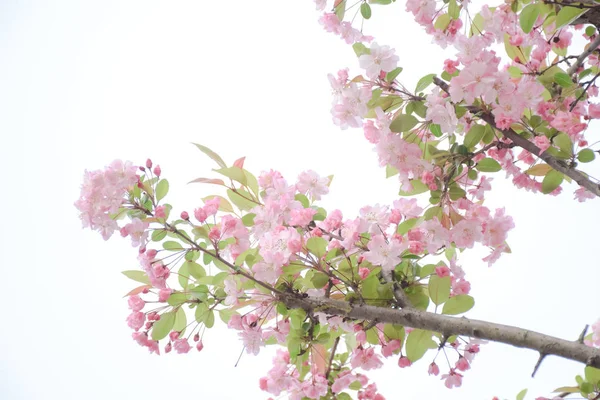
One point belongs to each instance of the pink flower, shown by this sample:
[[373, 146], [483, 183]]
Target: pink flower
[[542, 142], [388, 349], [380, 58], [433, 369], [582, 194], [594, 110], [311, 183], [302, 216], [342, 381], [462, 364], [450, 66], [181, 346], [163, 294], [136, 320], [136, 230], [365, 359], [466, 233], [453, 379], [102, 193], [387, 255], [212, 206], [442, 271], [316, 387], [136, 303]]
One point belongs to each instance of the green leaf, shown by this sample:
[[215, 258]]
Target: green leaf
[[196, 270], [436, 130], [424, 82], [442, 22], [528, 16], [439, 289], [433, 212], [317, 246], [393, 74], [551, 181], [138, 276], [158, 235], [586, 155], [340, 9], [417, 344], [392, 332], [172, 245], [567, 389], [214, 156], [521, 394], [406, 226], [592, 375], [319, 280], [201, 312], [162, 188], [418, 188], [458, 304], [248, 219], [365, 10], [515, 72], [566, 15], [235, 173], [403, 123], [474, 136], [564, 143], [163, 326], [241, 199], [539, 170], [563, 79], [488, 165], [209, 321], [180, 321], [456, 192], [360, 49], [453, 9]]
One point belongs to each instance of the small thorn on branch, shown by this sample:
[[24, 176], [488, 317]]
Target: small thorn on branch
[[538, 363], [582, 334]]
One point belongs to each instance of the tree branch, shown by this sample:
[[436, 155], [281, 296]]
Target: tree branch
[[520, 141], [579, 62], [449, 326], [399, 294]]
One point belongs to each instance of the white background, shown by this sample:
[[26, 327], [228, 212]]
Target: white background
[[83, 83]]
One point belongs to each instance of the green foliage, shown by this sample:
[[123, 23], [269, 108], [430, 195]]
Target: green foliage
[[439, 289], [138, 276], [417, 344], [458, 304], [551, 181], [163, 326]]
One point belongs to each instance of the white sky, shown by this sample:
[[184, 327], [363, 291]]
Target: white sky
[[83, 83]]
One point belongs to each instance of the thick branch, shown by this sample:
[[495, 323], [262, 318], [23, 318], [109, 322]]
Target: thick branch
[[520, 141], [449, 326]]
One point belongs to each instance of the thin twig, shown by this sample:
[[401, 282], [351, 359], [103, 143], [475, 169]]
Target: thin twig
[[580, 60]]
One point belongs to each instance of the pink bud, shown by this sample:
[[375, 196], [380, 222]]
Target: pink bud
[[157, 170], [168, 347], [185, 215], [196, 337], [200, 346], [200, 214], [174, 335], [404, 362], [159, 212], [148, 163]]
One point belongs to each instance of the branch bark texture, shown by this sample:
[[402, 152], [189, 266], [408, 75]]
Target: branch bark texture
[[448, 326], [520, 141]]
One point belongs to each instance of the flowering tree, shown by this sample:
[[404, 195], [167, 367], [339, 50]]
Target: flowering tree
[[340, 294]]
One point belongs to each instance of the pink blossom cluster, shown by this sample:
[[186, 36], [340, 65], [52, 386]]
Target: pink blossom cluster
[[102, 194]]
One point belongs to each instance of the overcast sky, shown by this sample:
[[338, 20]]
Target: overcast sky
[[83, 83]]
